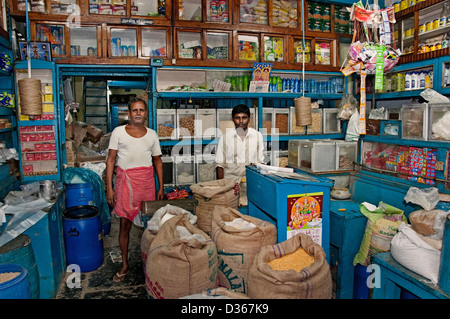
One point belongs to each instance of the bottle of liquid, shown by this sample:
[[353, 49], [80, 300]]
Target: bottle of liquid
[[279, 84], [408, 82], [421, 80], [414, 81], [427, 80]]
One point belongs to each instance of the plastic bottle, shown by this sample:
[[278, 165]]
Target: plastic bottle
[[295, 86], [422, 80], [427, 80], [446, 72], [414, 81], [408, 82], [279, 84], [394, 82]]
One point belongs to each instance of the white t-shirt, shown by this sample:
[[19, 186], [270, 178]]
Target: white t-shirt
[[134, 152]]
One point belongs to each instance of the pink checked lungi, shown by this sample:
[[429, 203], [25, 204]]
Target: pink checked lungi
[[133, 186]]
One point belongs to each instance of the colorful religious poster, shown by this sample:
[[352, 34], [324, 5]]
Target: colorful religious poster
[[304, 215]]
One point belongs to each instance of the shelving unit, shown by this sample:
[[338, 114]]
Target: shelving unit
[[95, 101]]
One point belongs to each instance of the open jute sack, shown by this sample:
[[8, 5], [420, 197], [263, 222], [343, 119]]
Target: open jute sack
[[182, 260], [159, 217], [208, 195], [236, 247], [312, 282]]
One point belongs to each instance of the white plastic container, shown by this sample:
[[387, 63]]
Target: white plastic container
[[439, 127], [317, 155], [205, 124], [184, 170], [346, 155], [166, 123]]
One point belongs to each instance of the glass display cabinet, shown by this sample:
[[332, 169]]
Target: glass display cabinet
[[254, 12], [83, 41], [217, 11], [274, 48], [285, 14], [248, 47], [155, 42], [148, 8], [54, 34], [218, 45], [189, 44], [123, 42], [189, 10]]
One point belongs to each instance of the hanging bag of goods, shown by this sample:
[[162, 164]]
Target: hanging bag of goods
[[238, 239], [373, 45], [293, 269], [208, 195], [155, 223], [182, 261]]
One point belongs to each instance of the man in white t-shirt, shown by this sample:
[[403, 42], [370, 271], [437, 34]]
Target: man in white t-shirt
[[237, 148], [135, 150]]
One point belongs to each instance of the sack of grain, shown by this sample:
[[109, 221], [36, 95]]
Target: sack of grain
[[312, 282], [182, 260], [238, 239], [217, 293], [208, 195], [154, 224], [381, 227]]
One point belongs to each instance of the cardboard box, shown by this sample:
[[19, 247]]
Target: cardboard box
[[94, 133]]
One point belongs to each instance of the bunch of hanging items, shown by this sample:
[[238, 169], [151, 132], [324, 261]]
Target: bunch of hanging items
[[373, 47]]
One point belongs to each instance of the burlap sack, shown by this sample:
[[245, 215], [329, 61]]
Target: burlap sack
[[236, 248], [313, 282], [179, 267], [208, 195]]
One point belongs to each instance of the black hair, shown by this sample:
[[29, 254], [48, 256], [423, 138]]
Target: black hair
[[240, 108], [135, 99]]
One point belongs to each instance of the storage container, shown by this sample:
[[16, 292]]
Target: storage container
[[295, 129], [224, 121], [317, 156], [166, 123], [205, 125], [294, 153], [267, 120], [281, 118], [17, 286], [391, 128], [393, 113], [279, 158], [439, 128], [415, 121], [316, 125], [373, 127], [184, 170], [186, 123], [331, 123], [205, 168], [168, 170], [346, 155]]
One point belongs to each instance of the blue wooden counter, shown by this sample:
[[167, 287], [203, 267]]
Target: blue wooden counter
[[273, 198], [393, 277]]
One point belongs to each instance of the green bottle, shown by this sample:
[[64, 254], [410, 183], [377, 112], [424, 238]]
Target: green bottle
[[279, 84]]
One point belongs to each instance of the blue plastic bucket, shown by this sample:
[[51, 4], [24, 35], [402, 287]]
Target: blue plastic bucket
[[17, 287], [19, 251], [360, 287], [83, 237], [78, 194]]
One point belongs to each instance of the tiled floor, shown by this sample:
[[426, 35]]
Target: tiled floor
[[98, 284]]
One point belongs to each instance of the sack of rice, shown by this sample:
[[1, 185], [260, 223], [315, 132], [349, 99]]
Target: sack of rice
[[217, 293], [208, 195], [154, 224], [238, 239], [293, 269], [182, 260]]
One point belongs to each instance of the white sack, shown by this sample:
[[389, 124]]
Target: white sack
[[409, 250]]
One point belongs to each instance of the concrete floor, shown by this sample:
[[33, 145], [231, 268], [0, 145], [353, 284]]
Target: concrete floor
[[99, 284]]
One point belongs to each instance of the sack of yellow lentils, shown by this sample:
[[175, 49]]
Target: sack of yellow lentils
[[208, 195], [182, 260], [293, 269], [238, 239]]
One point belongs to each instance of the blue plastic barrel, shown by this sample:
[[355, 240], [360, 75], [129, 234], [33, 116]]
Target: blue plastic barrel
[[360, 288], [17, 287], [83, 237], [78, 194], [19, 251]]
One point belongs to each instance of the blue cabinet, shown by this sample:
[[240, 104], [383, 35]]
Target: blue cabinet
[[48, 247], [293, 205]]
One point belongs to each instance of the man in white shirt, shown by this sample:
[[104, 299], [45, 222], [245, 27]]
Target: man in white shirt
[[135, 150], [237, 148]]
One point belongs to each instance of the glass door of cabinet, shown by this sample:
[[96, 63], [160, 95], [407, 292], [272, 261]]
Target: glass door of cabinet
[[248, 47], [301, 51], [154, 43], [407, 36], [217, 11], [149, 8], [189, 44], [54, 34], [37, 6], [274, 48], [189, 10], [285, 14], [116, 7], [63, 7], [218, 45], [255, 11], [83, 41], [323, 52], [122, 42]]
